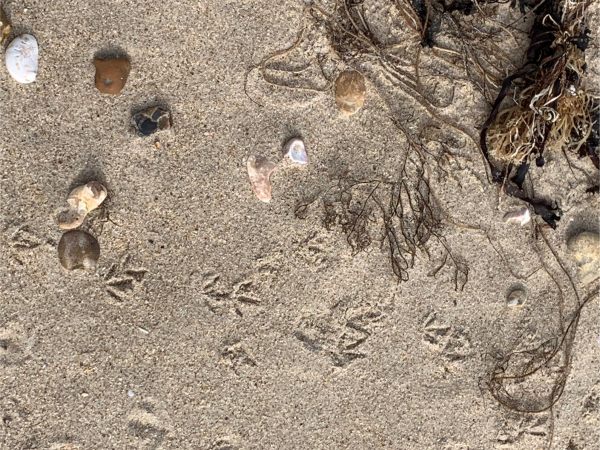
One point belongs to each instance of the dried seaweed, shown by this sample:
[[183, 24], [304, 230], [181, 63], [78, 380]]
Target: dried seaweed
[[519, 378], [545, 105], [532, 380], [401, 216]]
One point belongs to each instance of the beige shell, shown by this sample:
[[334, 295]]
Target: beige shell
[[584, 249], [78, 250], [5, 26], [350, 91], [259, 172], [81, 200]]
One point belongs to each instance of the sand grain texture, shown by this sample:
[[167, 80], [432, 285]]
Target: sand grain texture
[[217, 321]]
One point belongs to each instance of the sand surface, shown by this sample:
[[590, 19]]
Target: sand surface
[[215, 321]]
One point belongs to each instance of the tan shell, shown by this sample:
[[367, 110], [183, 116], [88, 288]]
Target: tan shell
[[5, 26], [585, 251], [259, 172], [78, 250], [81, 200], [350, 91]]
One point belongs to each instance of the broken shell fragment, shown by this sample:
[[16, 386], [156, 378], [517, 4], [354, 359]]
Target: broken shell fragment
[[516, 297], [259, 171], [584, 249], [111, 74], [78, 250], [521, 216], [82, 200], [295, 150], [22, 59], [152, 119], [350, 91], [5, 26]]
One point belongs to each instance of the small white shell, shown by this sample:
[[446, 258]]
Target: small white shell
[[295, 150], [516, 297], [521, 216], [22, 59]]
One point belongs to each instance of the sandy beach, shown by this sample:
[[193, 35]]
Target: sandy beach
[[216, 321]]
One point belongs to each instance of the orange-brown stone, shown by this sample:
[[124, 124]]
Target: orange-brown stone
[[111, 74]]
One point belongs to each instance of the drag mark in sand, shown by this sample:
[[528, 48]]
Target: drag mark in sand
[[149, 424]]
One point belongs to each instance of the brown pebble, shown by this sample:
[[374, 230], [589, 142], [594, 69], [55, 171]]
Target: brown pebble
[[350, 91], [78, 250], [111, 74]]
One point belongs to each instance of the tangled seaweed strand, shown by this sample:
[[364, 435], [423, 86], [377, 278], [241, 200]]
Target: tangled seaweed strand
[[549, 108], [401, 214], [551, 359], [520, 379]]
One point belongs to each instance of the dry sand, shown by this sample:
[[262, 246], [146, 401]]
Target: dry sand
[[216, 321]]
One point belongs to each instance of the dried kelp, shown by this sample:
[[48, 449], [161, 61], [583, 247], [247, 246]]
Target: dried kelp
[[533, 380], [401, 216], [544, 106]]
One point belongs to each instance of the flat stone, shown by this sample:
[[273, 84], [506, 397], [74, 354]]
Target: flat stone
[[584, 248], [111, 74]]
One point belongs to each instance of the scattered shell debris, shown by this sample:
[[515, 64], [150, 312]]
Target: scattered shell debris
[[78, 250], [82, 200], [584, 249], [350, 91], [516, 297], [295, 150], [22, 59], [151, 120], [521, 216], [111, 74], [5, 26], [259, 171]]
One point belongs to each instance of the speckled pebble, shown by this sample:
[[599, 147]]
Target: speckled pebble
[[151, 120]]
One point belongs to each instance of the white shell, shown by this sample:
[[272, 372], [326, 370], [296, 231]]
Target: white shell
[[296, 151], [516, 297], [520, 216], [82, 200], [22, 59]]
